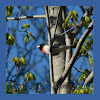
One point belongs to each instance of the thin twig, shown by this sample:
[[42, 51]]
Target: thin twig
[[77, 69], [68, 30], [18, 21]]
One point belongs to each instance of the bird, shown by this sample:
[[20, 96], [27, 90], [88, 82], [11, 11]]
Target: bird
[[45, 49]]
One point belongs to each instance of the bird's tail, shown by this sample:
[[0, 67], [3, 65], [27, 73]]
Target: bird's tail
[[61, 48]]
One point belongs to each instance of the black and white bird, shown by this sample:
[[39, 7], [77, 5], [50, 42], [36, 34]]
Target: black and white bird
[[45, 49]]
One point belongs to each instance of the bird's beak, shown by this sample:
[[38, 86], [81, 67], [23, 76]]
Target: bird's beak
[[38, 46]]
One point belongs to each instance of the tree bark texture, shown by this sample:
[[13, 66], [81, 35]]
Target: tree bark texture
[[59, 59]]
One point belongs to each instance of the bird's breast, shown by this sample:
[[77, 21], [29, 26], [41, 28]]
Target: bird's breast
[[46, 49]]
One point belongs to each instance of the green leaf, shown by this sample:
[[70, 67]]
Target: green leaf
[[73, 24], [71, 13], [21, 87], [90, 35], [85, 24], [36, 90], [23, 61], [26, 39], [90, 60], [68, 25], [7, 85], [27, 76], [26, 7], [75, 41], [75, 13], [64, 25], [25, 26], [9, 10], [17, 61], [87, 19], [10, 39], [80, 79], [32, 76], [13, 59], [67, 19], [35, 85], [75, 18], [34, 37], [29, 34]]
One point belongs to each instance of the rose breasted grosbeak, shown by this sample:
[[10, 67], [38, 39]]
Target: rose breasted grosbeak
[[44, 48], [55, 48]]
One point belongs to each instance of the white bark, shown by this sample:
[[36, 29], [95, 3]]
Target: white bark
[[89, 78], [59, 59]]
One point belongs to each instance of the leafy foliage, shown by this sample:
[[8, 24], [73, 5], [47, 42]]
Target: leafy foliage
[[84, 89], [10, 39], [9, 10], [86, 47], [29, 76], [26, 39], [38, 87], [26, 7], [11, 89], [19, 61], [73, 15], [84, 75], [85, 20], [25, 26]]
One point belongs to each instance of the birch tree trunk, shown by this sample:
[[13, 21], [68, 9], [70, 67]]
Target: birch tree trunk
[[59, 59], [66, 86]]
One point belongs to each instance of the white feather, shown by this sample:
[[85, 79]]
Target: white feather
[[46, 49]]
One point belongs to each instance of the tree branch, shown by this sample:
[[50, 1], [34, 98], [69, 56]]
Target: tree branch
[[80, 25], [77, 69], [74, 57], [50, 53], [26, 17], [83, 8], [89, 78]]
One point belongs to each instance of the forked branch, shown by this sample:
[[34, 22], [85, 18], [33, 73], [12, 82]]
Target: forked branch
[[74, 57]]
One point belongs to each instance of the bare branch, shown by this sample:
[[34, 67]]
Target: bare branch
[[89, 78], [74, 57], [83, 8], [77, 69], [26, 17]]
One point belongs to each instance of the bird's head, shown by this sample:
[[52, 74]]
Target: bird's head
[[40, 46]]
